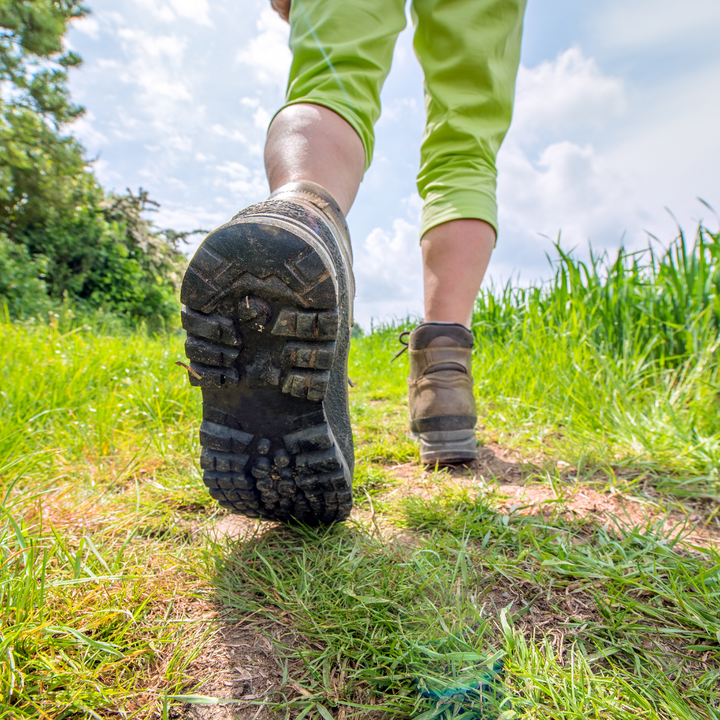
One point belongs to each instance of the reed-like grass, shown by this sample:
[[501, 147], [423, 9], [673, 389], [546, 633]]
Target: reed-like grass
[[611, 367], [657, 306], [609, 364]]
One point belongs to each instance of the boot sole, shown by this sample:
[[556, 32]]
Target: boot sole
[[265, 335], [447, 447]]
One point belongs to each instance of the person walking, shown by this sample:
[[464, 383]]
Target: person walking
[[267, 297]]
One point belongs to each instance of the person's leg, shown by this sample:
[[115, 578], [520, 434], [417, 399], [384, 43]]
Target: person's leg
[[267, 297], [455, 257], [469, 51], [310, 142], [342, 52]]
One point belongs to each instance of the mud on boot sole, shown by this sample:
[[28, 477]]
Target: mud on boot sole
[[265, 332]]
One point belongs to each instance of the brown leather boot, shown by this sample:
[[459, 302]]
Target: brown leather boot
[[442, 405]]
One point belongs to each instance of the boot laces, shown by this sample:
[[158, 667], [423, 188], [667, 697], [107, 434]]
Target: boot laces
[[405, 345]]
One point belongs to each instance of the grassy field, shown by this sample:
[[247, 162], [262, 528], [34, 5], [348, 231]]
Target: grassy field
[[573, 572]]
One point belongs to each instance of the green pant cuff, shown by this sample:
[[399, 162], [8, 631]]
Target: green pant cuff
[[459, 205]]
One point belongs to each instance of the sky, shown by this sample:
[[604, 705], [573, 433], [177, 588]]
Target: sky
[[614, 135]]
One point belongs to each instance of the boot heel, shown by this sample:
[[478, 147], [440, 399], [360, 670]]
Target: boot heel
[[448, 446]]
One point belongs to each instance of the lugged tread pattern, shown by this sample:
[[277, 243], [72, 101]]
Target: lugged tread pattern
[[307, 384], [222, 461], [262, 338], [212, 327], [207, 353], [307, 325], [301, 370], [318, 356], [222, 438], [305, 478], [208, 376]]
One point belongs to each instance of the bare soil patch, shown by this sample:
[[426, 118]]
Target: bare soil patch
[[240, 662], [514, 479]]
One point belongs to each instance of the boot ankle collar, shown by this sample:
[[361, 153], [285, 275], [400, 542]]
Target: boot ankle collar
[[430, 360], [318, 196], [425, 333]]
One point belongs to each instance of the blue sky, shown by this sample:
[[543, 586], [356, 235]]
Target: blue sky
[[616, 122]]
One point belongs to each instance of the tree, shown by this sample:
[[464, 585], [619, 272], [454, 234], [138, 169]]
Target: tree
[[89, 247], [37, 163]]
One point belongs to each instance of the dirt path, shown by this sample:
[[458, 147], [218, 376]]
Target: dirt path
[[240, 663]]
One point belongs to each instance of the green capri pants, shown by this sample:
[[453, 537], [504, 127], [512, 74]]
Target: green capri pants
[[469, 51]]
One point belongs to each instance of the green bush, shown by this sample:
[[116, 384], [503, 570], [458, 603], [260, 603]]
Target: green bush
[[22, 286], [65, 240]]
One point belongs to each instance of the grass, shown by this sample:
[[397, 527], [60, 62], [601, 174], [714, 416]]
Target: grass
[[446, 596], [99, 492], [611, 362], [460, 602]]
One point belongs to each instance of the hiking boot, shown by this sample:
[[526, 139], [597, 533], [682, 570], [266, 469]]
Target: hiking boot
[[442, 404], [267, 306]]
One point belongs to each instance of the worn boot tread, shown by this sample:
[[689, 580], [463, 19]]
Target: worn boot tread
[[264, 319]]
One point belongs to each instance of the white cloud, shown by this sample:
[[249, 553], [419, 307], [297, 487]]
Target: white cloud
[[182, 143], [108, 64], [87, 26], [107, 176], [234, 135], [158, 9], [195, 10], [268, 53], [253, 149], [552, 186], [383, 254], [262, 118], [570, 190], [563, 94], [388, 269], [85, 131], [604, 192], [398, 109], [234, 170], [247, 185], [644, 24], [188, 217], [155, 65]]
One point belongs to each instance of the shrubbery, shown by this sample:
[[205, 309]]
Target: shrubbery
[[63, 239]]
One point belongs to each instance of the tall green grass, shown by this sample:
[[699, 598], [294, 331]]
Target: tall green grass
[[612, 364], [656, 306], [97, 489]]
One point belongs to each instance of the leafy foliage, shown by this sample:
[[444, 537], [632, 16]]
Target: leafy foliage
[[37, 164], [21, 279], [73, 240]]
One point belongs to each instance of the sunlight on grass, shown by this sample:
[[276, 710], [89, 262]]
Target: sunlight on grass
[[393, 619], [112, 577]]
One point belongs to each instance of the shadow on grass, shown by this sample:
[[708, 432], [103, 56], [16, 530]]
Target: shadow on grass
[[624, 620]]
